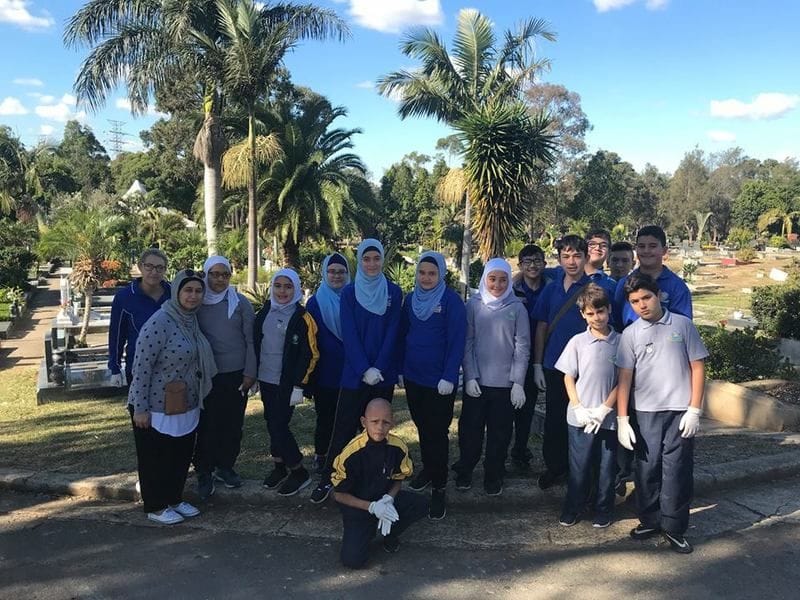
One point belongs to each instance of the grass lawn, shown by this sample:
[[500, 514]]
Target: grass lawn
[[92, 435], [714, 306]]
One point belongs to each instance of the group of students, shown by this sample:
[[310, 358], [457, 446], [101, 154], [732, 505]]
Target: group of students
[[542, 329]]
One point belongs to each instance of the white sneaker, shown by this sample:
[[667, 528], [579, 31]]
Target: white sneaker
[[165, 517], [138, 487], [185, 509]]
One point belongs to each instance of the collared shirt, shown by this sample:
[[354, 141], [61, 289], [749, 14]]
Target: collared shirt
[[590, 360], [673, 293], [659, 354], [368, 469]]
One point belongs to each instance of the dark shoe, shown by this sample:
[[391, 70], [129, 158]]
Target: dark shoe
[[321, 493], [641, 532], [601, 521], [547, 480], [678, 543], [463, 482], [438, 508], [205, 486], [296, 481], [391, 544], [568, 520], [229, 477], [420, 482], [493, 488], [318, 463], [276, 477]]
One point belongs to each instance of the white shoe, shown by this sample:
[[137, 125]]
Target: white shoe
[[185, 509], [138, 487], [165, 517]]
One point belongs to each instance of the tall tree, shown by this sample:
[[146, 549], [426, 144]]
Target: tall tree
[[687, 193], [605, 189], [86, 157], [12, 170]]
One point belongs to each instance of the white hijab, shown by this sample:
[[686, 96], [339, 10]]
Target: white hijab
[[492, 303], [211, 297]]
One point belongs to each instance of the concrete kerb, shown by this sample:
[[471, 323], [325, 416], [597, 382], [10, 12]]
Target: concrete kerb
[[522, 493]]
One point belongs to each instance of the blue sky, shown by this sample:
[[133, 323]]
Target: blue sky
[[656, 77]]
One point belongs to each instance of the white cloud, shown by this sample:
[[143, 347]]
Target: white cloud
[[69, 99], [396, 15], [125, 104], [607, 5], [366, 85], [764, 106], [12, 106], [31, 81], [46, 129], [718, 135], [60, 112], [44, 99], [656, 4], [16, 12]]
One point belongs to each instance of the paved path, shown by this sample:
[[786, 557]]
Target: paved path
[[25, 346]]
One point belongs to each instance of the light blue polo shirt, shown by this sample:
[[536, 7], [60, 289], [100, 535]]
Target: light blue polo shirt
[[673, 293], [659, 354], [591, 361]]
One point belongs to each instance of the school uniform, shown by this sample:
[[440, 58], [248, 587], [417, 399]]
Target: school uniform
[[673, 293], [368, 470], [659, 354], [432, 350], [591, 361]]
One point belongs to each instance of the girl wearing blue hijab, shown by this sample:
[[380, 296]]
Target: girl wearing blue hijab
[[324, 307], [370, 322], [433, 330]]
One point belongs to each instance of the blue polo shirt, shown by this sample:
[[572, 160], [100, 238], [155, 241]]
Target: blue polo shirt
[[529, 298], [674, 295], [571, 323]]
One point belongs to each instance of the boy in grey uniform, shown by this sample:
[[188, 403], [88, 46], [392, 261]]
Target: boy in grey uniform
[[665, 353]]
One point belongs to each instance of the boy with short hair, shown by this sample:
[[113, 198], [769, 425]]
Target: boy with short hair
[[598, 242], [590, 378], [662, 351], [367, 478], [620, 260]]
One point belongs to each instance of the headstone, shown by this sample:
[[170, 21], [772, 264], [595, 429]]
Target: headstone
[[778, 275]]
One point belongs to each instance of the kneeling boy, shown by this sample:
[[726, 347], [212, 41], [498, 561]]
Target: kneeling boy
[[366, 481], [663, 354]]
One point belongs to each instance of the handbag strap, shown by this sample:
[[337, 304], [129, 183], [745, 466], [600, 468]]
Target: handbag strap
[[569, 303]]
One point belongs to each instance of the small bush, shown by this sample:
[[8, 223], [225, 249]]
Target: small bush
[[777, 308], [746, 255], [475, 272], [778, 241], [740, 238], [513, 247], [742, 355]]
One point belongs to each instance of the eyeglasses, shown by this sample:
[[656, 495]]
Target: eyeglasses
[[151, 267], [597, 245], [531, 261], [219, 275], [193, 273]]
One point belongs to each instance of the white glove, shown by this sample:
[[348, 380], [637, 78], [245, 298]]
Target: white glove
[[385, 525], [598, 415], [625, 433], [445, 387], [538, 377], [401, 383], [297, 396], [583, 415], [472, 388], [690, 422], [517, 396], [118, 379], [384, 509], [372, 376]]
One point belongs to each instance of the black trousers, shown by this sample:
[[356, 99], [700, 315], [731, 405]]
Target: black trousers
[[555, 449], [523, 418], [492, 413], [663, 471], [219, 435], [278, 415], [432, 413], [347, 421], [325, 400], [359, 526], [163, 464]]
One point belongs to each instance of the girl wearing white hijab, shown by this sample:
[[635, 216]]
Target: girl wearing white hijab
[[495, 363], [285, 338], [226, 318], [370, 321]]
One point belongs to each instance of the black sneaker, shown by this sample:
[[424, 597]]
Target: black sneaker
[[276, 477], [601, 521], [420, 482], [493, 488], [296, 481], [229, 477], [568, 520], [642, 532], [391, 544], [321, 493], [438, 508], [205, 486], [463, 482], [678, 543]]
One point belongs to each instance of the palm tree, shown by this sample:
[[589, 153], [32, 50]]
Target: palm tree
[[479, 86], [779, 215]]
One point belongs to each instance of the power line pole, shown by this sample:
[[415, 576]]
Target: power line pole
[[118, 136]]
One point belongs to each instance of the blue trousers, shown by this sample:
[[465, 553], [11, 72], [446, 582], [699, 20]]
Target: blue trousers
[[490, 413], [523, 419], [589, 453], [359, 526], [663, 471], [278, 415]]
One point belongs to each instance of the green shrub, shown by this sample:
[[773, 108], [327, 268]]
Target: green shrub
[[742, 355], [740, 238], [402, 274], [10, 294], [746, 255], [778, 241], [777, 308], [475, 272], [513, 247]]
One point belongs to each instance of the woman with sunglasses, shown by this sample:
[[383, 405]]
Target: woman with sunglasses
[[324, 306], [172, 373], [226, 318], [132, 306]]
